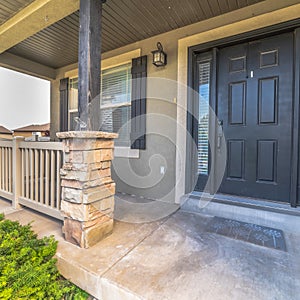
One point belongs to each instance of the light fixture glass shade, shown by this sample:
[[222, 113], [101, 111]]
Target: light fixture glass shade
[[159, 56]]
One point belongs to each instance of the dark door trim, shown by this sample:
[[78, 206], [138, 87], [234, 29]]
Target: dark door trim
[[244, 37], [191, 122], [295, 188], [190, 178]]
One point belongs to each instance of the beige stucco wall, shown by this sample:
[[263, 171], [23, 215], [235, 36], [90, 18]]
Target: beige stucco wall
[[161, 139], [166, 102]]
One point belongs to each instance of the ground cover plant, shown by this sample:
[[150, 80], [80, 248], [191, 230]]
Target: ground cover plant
[[27, 266]]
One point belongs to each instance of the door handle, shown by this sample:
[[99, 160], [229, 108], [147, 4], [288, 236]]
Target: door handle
[[219, 134]]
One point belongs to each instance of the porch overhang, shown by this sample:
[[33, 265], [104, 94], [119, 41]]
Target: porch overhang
[[34, 18], [46, 32]]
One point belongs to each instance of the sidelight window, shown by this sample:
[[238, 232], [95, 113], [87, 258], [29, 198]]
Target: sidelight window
[[203, 118]]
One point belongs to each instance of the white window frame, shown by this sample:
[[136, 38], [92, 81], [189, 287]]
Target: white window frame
[[107, 63]]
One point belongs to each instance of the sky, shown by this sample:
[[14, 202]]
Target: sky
[[24, 99]]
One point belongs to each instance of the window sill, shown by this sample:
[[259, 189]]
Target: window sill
[[126, 152]]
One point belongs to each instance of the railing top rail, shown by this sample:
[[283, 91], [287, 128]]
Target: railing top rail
[[41, 145], [7, 144]]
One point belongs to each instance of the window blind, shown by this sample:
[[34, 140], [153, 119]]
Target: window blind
[[116, 102], [116, 87], [203, 122]]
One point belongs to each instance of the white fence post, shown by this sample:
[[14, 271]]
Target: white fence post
[[16, 171]]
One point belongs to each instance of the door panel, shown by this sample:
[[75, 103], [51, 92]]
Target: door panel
[[266, 161], [237, 101], [267, 100], [236, 159], [255, 93]]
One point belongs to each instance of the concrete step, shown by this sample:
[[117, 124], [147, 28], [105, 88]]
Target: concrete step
[[257, 211]]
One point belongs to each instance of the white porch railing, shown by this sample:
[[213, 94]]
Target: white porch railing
[[30, 175], [6, 167]]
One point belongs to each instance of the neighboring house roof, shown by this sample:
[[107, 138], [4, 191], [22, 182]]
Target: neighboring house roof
[[4, 130], [33, 128]]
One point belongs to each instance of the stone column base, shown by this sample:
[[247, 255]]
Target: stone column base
[[87, 188], [85, 234]]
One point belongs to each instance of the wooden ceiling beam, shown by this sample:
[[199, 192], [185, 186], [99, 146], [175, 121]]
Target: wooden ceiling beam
[[34, 18]]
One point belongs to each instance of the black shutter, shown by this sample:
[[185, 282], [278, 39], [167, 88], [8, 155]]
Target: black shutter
[[64, 103], [138, 103]]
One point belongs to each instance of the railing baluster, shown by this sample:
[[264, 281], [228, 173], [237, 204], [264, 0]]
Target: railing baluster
[[10, 170], [31, 175], [42, 162], [58, 166], [1, 167], [36, 175], [52, 177], [47, 178], [27, 172], [6, 169], [23, 179]]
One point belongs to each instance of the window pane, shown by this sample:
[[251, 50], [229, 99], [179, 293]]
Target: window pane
[[204, 89], [73, 95], [117, 120], [115, 102], [116, 86]]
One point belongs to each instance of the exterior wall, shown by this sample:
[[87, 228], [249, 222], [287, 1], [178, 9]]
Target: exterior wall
[[22, 133], [6, 136], [166, 101], [25, 133], [161, 126]]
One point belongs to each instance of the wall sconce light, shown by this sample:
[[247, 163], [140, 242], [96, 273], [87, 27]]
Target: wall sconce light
[[159, 56]]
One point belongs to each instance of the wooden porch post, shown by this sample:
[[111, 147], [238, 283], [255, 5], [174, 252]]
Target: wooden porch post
[[89, 61], [87, 187]]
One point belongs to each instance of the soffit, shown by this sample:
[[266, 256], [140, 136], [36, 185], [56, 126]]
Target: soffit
[[8, 8], [124, 22]]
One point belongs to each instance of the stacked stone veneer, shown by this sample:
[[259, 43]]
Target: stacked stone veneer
[[87, 187]]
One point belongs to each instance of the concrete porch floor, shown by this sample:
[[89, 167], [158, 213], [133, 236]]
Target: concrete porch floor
[[174, 258]]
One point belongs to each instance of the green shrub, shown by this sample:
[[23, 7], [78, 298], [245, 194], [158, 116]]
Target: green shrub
[[27, 266]]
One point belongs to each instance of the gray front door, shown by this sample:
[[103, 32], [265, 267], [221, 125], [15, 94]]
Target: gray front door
[[255, 104]]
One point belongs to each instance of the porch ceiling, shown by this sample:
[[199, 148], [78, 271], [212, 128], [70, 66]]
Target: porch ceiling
[[9, 8], [124, 22]]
